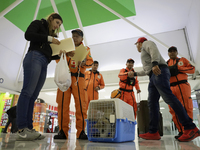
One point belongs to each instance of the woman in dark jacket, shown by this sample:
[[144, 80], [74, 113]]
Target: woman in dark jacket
[[40, 33]]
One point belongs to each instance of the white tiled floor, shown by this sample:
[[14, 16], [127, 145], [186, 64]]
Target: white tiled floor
[[167, 142]]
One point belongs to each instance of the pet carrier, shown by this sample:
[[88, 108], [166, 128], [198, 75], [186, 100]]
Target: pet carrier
[[110, 120]]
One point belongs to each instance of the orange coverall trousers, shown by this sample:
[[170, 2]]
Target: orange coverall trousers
[[129, 97], [183, 93], [80, 98]]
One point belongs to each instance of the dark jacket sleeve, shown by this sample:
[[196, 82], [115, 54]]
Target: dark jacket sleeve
[[33, 32], [55, 57]]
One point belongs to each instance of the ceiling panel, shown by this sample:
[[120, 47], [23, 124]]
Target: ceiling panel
[[90, 12], [22, 14], [5, 4]]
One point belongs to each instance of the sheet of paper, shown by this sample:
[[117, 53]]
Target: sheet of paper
[[80, 54], [65, 44]]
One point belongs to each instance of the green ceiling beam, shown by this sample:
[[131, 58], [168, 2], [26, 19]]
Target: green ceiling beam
[[5, 3], [90, 12]]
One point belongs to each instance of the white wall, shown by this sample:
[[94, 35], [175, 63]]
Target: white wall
[[114, 54]]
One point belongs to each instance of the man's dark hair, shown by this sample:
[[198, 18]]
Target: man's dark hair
[[96, 62]]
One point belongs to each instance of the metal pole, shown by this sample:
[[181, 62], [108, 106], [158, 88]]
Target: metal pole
[[9, 8], [120, 16], [27, 43], [56, 10], [78, 19]]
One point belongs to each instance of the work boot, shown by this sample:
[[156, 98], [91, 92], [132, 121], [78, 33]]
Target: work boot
[[83, 136], [61, 135], [150, 136]]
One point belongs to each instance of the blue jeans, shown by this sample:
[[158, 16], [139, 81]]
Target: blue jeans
[[35, 70], [160, 86]]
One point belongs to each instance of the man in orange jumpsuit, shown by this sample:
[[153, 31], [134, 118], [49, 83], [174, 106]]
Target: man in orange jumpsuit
[[94, 82], [180, 87], [126, 84], [77, 88]]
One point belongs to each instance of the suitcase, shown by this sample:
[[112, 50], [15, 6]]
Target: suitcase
[[143, 118]]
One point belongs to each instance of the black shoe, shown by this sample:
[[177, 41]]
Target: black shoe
[[179, 135], [61, 135], [83, 136]]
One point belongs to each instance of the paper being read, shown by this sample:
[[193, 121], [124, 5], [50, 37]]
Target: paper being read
[[80, 54], [65, 44]]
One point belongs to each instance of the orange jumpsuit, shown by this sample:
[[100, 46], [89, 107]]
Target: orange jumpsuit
[[80, 98], [93, 80], [126, 87], [180, 87]]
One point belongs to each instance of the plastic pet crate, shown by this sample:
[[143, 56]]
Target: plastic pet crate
[[110, 120]]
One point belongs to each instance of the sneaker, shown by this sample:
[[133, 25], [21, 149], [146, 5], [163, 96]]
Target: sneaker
[[83, 136], [41, 137], [179, 135], [189, 135], [26, 135], [61, 135], [150, 136]]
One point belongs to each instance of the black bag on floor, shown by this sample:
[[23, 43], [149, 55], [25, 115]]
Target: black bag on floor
[[143, 118]]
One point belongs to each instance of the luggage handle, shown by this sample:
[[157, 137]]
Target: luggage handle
[[138, 97]]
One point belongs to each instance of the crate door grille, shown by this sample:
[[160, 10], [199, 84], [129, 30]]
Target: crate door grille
[[99, 120]]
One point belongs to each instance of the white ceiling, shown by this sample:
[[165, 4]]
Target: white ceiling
[[111, 43]]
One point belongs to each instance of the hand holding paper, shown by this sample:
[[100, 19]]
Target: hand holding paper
[[66, 44], [80, 54]]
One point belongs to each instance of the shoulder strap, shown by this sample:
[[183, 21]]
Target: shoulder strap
[[177, 60]]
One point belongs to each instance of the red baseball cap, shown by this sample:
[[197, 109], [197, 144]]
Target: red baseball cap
[[141, 40], [130, 60]]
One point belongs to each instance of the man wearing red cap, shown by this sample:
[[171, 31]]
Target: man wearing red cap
[[126, 84], [77, 88], [155, 66], [178, 68]]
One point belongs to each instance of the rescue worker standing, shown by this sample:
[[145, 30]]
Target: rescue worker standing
[[180, 87], [78, 91], [94, 82], [126, 84]]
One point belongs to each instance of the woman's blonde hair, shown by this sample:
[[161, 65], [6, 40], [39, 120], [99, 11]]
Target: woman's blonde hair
[[54, 33]]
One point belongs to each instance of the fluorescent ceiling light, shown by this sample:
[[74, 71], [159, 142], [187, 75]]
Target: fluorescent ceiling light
[[7, 94], [162, 107]]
